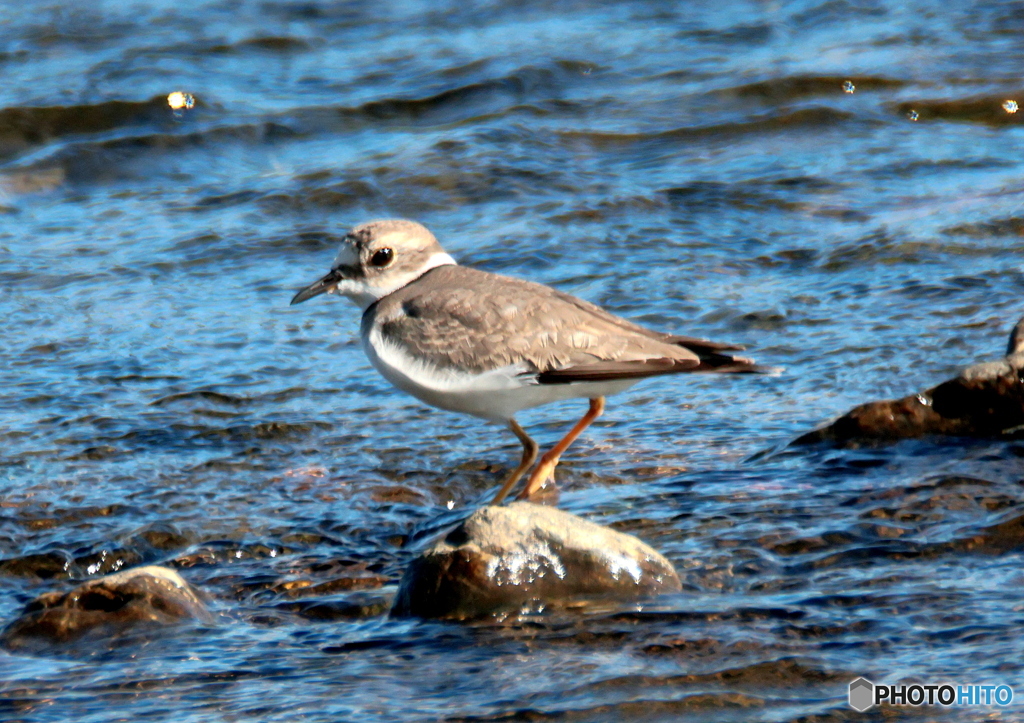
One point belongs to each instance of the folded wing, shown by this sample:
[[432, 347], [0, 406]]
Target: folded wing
[[462, 318]]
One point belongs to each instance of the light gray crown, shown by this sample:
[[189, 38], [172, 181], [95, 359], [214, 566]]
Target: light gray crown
[[411, 245], [378, 258]]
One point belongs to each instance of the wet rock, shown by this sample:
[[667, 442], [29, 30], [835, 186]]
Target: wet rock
[[41, 565], [985, 400], [502, 558], [105, 607]]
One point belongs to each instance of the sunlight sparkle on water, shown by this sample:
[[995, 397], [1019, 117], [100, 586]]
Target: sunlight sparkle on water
[[179, 100], [1010, 106], [848, 87]]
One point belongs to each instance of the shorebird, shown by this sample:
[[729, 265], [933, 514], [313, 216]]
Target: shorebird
[[475, 342]]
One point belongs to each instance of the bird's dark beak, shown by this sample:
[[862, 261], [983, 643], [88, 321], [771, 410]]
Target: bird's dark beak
[[327, 283]]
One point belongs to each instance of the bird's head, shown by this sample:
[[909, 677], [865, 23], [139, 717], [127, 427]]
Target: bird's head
[[377, 258]]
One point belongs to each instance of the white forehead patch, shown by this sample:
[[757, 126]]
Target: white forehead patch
[[347, 256]]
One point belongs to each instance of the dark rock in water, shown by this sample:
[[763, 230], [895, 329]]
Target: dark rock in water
[[986, 400], [106, 606], [1016, 343], [501, 558]]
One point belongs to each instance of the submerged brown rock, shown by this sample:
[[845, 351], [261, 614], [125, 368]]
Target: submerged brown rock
[[501, 558], [985, 400], [106, 606]]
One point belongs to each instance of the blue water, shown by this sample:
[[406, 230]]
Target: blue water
[[698, 168]]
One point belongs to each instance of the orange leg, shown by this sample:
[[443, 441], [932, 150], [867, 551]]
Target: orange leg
[[529, 457], [549, 460]]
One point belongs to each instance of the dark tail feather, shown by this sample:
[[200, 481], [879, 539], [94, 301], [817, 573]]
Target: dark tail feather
[[738, 367], [700, 346], [730, 364], [713, 360]]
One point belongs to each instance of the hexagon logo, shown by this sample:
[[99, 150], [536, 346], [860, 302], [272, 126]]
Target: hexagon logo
[[862, 694]]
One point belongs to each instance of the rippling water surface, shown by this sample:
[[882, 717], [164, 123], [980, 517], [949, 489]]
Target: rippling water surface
[[697, 167]]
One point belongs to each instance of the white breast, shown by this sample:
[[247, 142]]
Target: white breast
[[495, 395]]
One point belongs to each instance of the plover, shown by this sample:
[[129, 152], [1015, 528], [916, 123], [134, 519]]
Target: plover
[[479, 343]]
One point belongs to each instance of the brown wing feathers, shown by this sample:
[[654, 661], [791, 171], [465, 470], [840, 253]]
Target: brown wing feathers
[[457, 317], [604, 371], [709, 353]]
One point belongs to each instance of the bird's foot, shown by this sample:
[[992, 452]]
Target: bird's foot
[[541, 487], [547, 494]]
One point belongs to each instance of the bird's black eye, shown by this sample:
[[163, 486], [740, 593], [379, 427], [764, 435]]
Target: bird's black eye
[[382, 257]]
